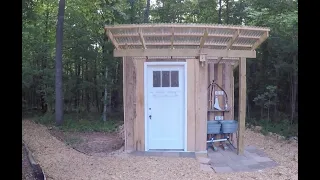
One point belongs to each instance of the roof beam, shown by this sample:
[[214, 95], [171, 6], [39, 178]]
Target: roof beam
[[142, 39], [185, 35], [183, 52], [115, 43], [203, 38], [183, 44], [262, 38]]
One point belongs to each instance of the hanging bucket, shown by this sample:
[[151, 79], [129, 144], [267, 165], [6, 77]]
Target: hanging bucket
[[229, 126], [213, 127]]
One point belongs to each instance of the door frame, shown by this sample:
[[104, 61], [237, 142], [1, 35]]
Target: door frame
[[148, 64]]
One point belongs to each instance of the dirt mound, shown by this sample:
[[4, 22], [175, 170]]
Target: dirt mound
[[93, 143]]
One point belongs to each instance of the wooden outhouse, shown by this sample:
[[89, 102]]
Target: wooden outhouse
[[167, 69]]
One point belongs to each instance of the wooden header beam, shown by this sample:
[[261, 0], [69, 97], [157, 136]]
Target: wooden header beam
[[184, 52]]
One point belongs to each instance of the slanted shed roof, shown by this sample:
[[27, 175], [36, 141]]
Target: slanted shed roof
[[185, 37]]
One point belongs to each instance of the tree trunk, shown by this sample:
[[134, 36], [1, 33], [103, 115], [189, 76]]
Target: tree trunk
[[275, 113], [219, 16], [132, 11], [96, 91], [43, 99], [58, 78], [227, 11], [87, 89], [78, 69], [146, 15], [294, 90], [105, 97]]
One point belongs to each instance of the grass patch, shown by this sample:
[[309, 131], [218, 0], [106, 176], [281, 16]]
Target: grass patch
[[73, 140], [81, 122], [283, 127]]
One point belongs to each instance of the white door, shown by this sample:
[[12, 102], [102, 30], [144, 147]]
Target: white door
[[165, 107]]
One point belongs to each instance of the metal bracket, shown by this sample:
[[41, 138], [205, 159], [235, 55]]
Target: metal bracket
[[202, 58]]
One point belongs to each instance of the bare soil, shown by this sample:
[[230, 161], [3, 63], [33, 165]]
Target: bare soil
[[27, 172], [60, 162], [90, 143]]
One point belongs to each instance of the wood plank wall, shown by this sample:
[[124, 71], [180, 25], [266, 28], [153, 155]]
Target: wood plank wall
[[198, 77], [222, 73]]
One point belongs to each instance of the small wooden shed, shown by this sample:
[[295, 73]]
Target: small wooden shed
[[167, 69]]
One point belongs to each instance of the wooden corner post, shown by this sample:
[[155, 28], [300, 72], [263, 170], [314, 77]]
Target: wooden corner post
[[242, 104]]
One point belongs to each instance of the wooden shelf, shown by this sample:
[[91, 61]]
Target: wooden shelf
[[215, 110]]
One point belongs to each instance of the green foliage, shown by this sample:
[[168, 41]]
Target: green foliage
[[81, 122], [282, 127], [266, 99], [271, 77]]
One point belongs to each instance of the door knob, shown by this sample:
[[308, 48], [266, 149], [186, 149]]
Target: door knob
[[150, 116]]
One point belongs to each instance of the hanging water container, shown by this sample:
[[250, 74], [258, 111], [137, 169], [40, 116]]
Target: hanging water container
[[229, 126], [213, 127]]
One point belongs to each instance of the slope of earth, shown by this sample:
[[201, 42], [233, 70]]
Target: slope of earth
[[90, 143], [27, 172]]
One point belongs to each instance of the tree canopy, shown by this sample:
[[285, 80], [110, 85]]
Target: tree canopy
[[92, 77]]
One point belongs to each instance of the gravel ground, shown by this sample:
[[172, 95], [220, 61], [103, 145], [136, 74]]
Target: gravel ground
[[60, 162]]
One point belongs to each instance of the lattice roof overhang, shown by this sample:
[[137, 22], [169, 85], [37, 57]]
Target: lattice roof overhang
[[186, 40]]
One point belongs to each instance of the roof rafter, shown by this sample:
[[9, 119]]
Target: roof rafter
[[260, 41], [115, 43], [203, 38], [142, 39], [172, 37], [232, 40]]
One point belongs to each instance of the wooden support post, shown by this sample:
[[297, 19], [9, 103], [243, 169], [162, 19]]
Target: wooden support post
[[129, 100], [219, 80], [210, 99], [227, 87], [210, 78], [242, 104], [191, 113], [139, 120], [201, 106], [234, 135]]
